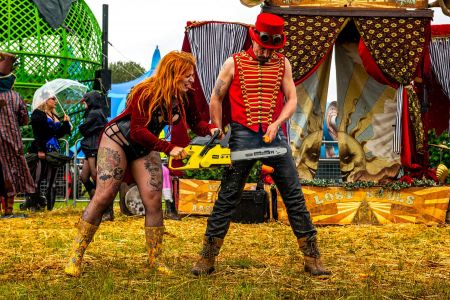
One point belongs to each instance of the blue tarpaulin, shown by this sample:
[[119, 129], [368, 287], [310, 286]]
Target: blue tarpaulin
[[119, 91]]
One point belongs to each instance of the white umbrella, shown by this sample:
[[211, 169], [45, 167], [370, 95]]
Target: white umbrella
[[67, 91]]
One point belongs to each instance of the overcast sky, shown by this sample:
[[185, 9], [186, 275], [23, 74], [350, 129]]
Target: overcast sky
[[137, 26]]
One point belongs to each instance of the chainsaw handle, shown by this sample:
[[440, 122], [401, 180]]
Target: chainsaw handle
[[170, 164], [187, 166], [208, 145]]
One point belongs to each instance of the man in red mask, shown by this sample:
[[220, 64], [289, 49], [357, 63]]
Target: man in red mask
[[262, 97]]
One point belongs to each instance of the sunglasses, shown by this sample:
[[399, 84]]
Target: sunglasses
[[274, 39]]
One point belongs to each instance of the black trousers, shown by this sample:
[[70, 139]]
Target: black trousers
[[40, 171], [285, 176]]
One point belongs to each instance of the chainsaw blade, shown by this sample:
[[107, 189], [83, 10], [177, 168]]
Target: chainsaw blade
[[257, 153]]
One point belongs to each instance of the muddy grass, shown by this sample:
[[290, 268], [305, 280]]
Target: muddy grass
[[256, 262]]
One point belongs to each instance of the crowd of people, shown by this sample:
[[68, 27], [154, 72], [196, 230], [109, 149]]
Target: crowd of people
[[129, 146]]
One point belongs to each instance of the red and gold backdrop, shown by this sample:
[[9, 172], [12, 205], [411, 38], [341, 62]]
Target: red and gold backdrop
[[386, 50], [390, 49]]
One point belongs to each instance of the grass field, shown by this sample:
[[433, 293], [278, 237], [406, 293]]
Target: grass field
[[256, 262]]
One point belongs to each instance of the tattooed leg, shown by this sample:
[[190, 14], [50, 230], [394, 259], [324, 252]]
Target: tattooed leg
[[152, 164], [147, 172], [111, 167]]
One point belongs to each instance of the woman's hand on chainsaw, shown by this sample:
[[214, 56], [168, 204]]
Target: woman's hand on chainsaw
[[220, 136], [178, 153]]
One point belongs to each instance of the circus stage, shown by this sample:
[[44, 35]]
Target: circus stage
[[336, 205]]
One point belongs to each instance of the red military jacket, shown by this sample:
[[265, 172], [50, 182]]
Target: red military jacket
[[255, 93]]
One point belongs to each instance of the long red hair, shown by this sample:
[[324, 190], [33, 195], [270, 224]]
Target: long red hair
[[163, 88]]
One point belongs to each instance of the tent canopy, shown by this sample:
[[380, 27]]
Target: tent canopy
[[119, 91]]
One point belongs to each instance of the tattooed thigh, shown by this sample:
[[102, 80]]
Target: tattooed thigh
[[152, 164], [109, 164]]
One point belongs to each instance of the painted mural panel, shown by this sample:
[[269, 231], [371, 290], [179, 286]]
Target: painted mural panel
[[367, 111], [335, 205]]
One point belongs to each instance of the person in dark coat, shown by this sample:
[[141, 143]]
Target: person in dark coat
[[15, 176], [47, 129], [93, 124]]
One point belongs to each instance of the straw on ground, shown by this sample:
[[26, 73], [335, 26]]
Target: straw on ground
[[256, 262]]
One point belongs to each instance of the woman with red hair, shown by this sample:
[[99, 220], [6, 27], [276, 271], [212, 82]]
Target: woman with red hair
[[130, 143]]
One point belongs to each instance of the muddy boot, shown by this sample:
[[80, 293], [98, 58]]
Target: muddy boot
[[31, 202], [2, 205], [206, 262], [9, 206], [108, 215], [85, 234], [41, 202], [170, 211], [50, 195], [313, 264], [154, 239]]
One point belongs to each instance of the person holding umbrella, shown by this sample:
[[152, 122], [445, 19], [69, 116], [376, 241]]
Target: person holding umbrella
[[47, 129], [130, 143]]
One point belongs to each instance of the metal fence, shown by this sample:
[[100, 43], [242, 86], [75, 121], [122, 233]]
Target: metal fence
[[62, 181], [329, 168], [68, 183]]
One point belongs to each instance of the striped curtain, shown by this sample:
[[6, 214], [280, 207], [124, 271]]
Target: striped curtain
[[211, 44], [440, 62], [397, 144]]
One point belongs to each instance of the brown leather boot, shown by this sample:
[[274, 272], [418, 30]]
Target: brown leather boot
[[313, 264], [171, 211], [9, 205], [85, 234], [154, 239], [206, 262]]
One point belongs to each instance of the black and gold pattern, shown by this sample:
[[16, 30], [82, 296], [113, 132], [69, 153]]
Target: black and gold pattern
[[415, 118], [396, 44], [309, 39]]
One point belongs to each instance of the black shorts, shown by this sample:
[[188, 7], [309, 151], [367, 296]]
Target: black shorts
[[119, 132]]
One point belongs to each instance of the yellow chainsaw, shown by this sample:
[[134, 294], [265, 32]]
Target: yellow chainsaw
[[215, 153], [201, 155]]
